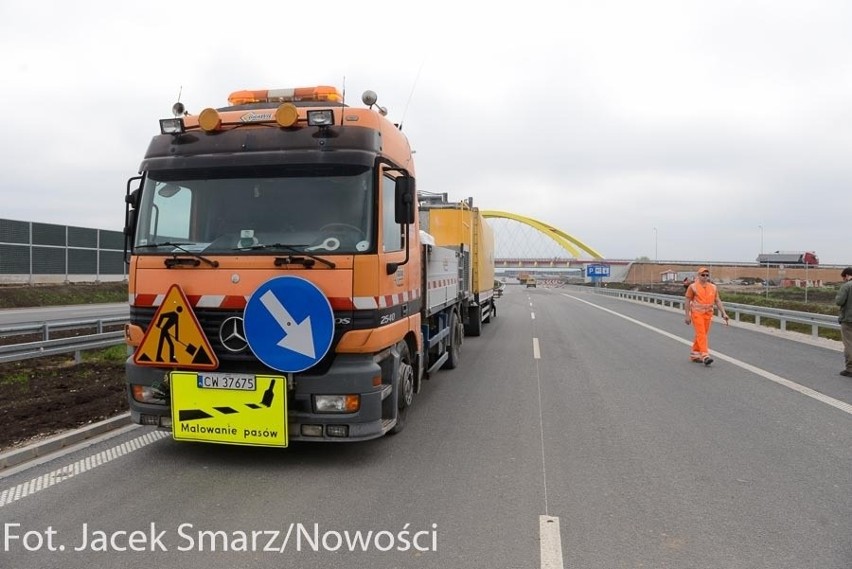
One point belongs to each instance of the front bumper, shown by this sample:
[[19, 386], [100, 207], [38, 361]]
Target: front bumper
[[369, 377]]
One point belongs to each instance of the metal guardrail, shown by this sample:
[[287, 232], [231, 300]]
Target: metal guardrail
[[46, 328], [814, 320], [48, 346], [76, 344]]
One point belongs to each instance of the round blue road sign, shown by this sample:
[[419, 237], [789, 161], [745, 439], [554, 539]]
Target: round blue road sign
[[289, 324]]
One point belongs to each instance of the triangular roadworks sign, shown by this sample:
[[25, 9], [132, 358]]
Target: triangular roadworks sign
[[174, 337]]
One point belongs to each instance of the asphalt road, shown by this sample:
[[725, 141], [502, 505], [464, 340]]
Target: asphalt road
[[574, 433]]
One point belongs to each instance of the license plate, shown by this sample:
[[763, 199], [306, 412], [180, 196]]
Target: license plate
[[229, 413], [236, 381]]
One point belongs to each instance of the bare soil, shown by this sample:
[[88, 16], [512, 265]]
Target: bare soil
[[45, 396]]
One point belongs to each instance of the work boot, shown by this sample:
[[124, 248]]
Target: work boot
[[708, 360], [846, 373]]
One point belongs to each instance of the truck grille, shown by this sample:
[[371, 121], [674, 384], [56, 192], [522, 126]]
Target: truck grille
[[211, 321]]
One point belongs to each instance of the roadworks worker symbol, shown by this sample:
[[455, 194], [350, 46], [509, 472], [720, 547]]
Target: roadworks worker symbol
[[174, 337], [254, 416]]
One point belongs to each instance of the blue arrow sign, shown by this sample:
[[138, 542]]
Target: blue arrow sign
[[289, 324]]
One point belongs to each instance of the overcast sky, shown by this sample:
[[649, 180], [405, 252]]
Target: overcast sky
[[670, 129]]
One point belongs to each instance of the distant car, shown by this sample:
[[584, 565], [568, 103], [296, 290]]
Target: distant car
[[531, 283]]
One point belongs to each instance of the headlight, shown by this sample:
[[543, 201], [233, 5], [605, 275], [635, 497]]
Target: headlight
[[337, 403], [148, 394]]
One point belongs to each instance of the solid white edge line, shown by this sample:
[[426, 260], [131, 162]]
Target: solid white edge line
[[806, 391], [551, 542]]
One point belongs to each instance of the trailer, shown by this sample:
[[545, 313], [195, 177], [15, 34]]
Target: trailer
[[789, 258]]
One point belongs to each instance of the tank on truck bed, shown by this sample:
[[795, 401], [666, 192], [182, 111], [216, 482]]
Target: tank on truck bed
[[461, 226]]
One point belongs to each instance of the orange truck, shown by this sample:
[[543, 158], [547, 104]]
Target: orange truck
[[281, 287]]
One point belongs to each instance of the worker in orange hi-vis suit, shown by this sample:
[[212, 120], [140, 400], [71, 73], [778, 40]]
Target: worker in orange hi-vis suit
[[701, 298]]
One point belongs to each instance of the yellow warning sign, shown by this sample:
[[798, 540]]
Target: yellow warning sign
[[236, 409], [174, 337]]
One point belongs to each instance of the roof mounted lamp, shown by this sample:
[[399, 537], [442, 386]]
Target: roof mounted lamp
[[321, 118], [173, 126]]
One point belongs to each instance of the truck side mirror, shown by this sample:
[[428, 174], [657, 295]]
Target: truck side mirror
[[132, 199], [130, 223], [404, 199]]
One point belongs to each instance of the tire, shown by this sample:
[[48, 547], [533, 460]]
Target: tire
[[455, 343], [404, 388]]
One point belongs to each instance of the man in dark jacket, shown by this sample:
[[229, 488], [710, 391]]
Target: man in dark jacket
[[844, 301]]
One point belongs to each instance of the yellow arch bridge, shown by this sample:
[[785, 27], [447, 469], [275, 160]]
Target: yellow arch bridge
[[568, 242]]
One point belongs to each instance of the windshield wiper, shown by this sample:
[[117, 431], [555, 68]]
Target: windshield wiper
[[306, 259], [174, 261]]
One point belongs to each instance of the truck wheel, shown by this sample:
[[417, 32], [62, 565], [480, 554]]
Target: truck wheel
[[474, 324], [404, 388], [455, 342]]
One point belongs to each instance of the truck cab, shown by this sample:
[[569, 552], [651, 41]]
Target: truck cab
[[237, 213]]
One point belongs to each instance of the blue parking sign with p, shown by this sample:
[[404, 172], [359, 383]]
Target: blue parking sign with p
[[597, 270]]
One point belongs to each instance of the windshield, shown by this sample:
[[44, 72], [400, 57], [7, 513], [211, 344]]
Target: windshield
[[322, 209]]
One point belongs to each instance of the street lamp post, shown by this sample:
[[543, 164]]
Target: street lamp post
[[656, 258], [766, 282]]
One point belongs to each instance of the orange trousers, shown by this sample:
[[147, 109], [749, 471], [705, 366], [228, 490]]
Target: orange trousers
[[701, 322]]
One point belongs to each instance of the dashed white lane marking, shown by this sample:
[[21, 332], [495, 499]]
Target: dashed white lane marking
[[551, 542], [83, 465], [550, 539], [532, 315], [806, 391]]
